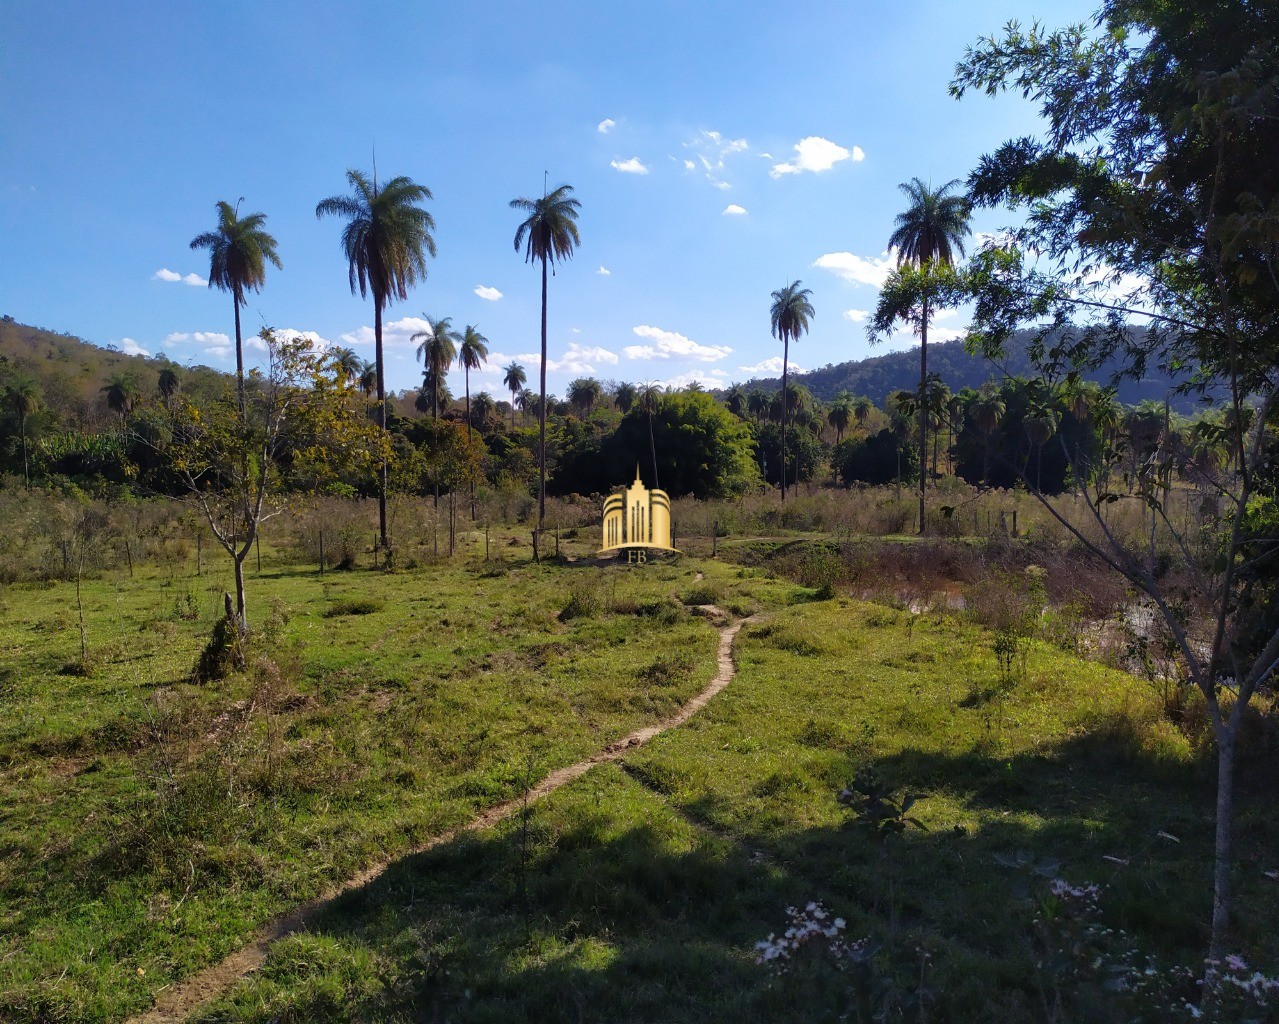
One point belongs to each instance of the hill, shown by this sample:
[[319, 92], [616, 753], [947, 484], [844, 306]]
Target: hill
[[877, 376], [72, 371]]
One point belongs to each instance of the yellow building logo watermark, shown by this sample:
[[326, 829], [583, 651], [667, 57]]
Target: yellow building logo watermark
[[637, 520]]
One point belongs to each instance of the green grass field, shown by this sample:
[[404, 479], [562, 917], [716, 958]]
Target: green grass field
[[151, 824]]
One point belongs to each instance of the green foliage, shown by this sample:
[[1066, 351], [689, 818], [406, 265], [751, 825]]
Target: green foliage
[[880, 458]]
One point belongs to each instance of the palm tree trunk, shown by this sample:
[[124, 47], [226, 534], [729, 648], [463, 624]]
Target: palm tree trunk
[[541, 417], [652, 444], [512, 410], [239, 354], [26, 472], [785, 367], [923, 411], [381, 422], [467, 372]]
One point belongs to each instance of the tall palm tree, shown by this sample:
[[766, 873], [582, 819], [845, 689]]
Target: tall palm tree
[[514, 380], [122, 393], [239, 250], [649, 400], [23, 398], [437, 350], [930, 231], [735, 400], [789, 315], [549, 235], [757, 404], [862, 408], [471, 355], [987, 410], [386, 241]]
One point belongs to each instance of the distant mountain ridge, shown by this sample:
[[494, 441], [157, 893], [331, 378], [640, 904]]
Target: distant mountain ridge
[[878, 376]]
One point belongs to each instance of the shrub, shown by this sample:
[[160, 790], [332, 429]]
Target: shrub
[[354, 606]]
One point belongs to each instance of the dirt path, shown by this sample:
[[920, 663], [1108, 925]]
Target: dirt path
[[174, 1003]]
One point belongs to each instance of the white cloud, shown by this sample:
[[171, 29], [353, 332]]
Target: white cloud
[[576, 359], [668, 343], [313, 340], [771, 366], [131, 348], [631, 166], [710, 150], [164, 274], [816, 154], [706, 378], [199, 337], [872, 270], [857, 316], [605, 126], [395, 333], [485, 292], [218, 351], [733, 210], [604, 271]]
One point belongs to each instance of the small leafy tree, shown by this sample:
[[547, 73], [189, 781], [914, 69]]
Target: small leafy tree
[[300, 425]]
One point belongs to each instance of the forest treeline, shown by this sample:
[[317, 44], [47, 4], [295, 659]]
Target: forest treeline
[[79, 417]]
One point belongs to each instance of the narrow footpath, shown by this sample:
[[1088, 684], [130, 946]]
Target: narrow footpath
[[176, 1002]]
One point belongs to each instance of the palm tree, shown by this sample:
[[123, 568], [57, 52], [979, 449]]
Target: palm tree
[[624, 397], [514, 380], [483, 407], [23, 398], [987, 410], [584, 394], [735, 400], [549, 234], [437, 350], [122, 394], [239, 250], [347, 364], [168, 384], [862, 408], [757, 404], [840, 415], [386, 241], [527, 401], [930, 231], [789, 315], [471, 355], [649, 400]]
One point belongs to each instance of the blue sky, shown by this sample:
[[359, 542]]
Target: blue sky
[[719, 150]]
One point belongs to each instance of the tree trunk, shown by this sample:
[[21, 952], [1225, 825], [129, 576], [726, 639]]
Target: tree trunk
[[239, 354], [512, 410], [541, 416], [923, 411], [241, 612], [381, 422], [26, 472], [785, 367], [1226, 736], [467, 371], [652, 444]]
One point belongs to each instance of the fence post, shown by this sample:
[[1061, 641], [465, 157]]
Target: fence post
[[714, 537], [1014, 522], [321, 552], [486, 542]]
